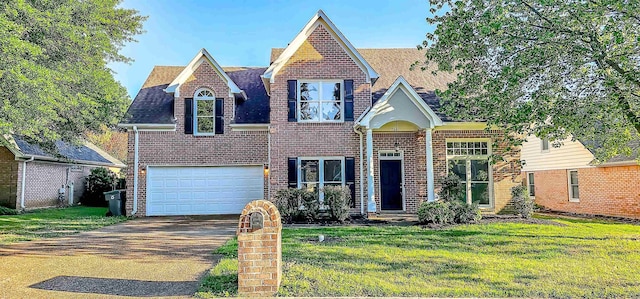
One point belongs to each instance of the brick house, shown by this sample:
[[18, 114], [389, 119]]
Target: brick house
[[32, 178], [206, 139], [568, 179]]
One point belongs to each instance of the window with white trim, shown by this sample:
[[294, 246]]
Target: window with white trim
[[204, 115], [320, 101], [469, 160], [574, 192], [317, 173], [531, 184], [544, 146]]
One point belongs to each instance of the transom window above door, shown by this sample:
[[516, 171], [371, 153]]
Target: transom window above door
[[320, 101], [469, 161]]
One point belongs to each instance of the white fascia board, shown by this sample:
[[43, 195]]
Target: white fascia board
[[193, 65], [249, 127], [411, 93], [159, 127], [306, 31]]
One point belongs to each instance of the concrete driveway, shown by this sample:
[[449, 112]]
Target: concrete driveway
[[149, 257]]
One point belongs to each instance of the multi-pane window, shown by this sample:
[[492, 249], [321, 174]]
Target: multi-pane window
[[574, 192], [317, 173], [469, 160], [320, 101], [204, 106], [531, 184]]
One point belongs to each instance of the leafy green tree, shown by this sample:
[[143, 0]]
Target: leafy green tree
[[553, 68], [54, 79]]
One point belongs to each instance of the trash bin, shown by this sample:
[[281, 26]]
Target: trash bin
[[115, 204]]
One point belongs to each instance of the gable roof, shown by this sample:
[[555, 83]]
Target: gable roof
[[87, 153], [319, 18], [395, 62], [203, 55], [153, 106]]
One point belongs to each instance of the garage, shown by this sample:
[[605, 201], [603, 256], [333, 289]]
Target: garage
[[202, 190]]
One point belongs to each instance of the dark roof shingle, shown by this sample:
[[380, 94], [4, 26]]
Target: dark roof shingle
[[65, 150]]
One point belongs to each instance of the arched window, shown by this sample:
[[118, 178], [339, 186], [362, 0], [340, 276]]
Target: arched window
[[204, 112]]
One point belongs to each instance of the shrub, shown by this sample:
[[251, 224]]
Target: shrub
[[338, 198], [521, 201], [464, 212], [438, 212], [8, 211], [452, 189], [100, 180], [297, 204]]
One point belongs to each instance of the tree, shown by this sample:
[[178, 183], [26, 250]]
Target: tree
[[54, 79], [554, 68]]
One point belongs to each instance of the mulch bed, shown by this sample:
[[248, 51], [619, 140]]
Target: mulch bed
[[590, 217]]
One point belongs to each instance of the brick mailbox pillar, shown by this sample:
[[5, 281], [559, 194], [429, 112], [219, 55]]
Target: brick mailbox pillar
[[259, 249]]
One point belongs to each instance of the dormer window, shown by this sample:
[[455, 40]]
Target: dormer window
[[204, 112], [320, 101]]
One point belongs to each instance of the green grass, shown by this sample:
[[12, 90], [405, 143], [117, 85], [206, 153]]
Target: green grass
[[578, 258], [48, 223]]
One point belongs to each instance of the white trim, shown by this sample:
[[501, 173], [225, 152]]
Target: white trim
[[24, 182], [249, 127], [361, 172], [400, 84], [149, 127], [467, 159], [319, 18], [371, 196], [569, 190], [431, 195], [402, 173], [193, 65], [321, 181], [136, 161], [195, 111], [319, 82], [529, 174]]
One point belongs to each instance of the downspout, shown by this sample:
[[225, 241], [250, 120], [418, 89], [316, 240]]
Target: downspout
[[24, 181], [361, 173], [269, 164], [135, 171]]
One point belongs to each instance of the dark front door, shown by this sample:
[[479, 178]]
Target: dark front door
[[391, 184]]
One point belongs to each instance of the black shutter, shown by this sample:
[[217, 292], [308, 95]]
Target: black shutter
[[292, 97], [220, 116], [348, 100], [350, 178], [188, 116], [293, 172]]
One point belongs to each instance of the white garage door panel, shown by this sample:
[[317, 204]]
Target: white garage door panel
[[202, 190]]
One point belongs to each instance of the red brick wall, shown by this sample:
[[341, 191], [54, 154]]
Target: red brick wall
[[320, 57], [174, 148], [613, 191], [8, 178], [506, 174], [43, 179]]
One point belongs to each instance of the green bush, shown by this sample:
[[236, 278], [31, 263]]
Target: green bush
[[297, 205], [100, 180], [8, 211], [522, 202], [464, 212], [338, 199], [438, 212], [452, 189]]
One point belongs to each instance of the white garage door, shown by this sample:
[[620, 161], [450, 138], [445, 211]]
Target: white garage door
[[202, 190]]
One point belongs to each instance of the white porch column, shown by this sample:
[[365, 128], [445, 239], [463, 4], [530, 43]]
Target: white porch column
[[431, 196], [371, 200]]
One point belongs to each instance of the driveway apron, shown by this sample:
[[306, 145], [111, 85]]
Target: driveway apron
[[148, 257]]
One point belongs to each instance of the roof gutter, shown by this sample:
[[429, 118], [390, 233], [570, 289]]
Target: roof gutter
[[24, 180], [148, 126], [135, 172]]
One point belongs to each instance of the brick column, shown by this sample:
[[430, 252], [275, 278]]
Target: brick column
[[259, 250]]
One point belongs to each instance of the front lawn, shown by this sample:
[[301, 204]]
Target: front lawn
[[565, 258], [49, 223]]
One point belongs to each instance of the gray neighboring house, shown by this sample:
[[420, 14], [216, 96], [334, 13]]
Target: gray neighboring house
[[33, 178]]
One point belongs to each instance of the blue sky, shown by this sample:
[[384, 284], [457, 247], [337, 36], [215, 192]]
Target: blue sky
[[242, 32]]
